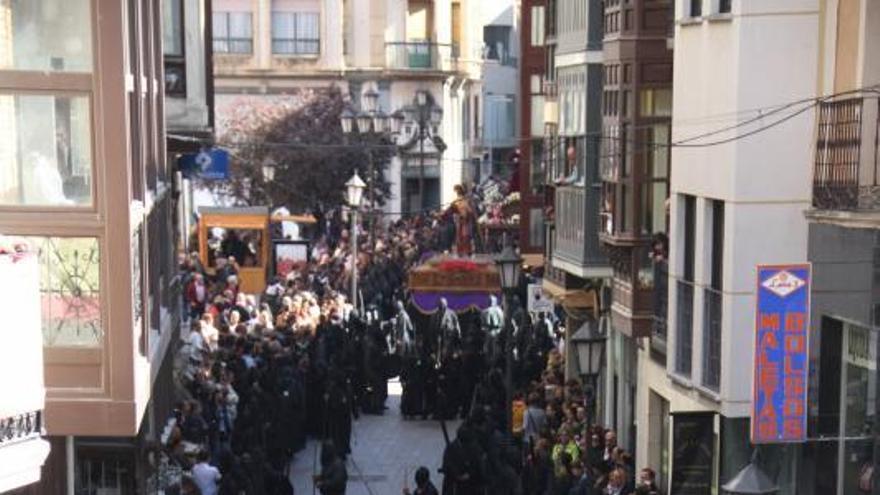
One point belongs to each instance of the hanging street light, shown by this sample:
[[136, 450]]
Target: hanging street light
[[751, 480], [347, 120], [509, 264], [364, 121], [589, 347], [268, 169]]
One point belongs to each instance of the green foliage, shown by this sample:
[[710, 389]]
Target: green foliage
[[302, 136]]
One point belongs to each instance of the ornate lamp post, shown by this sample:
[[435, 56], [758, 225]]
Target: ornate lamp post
[[354, 192], [427, 115], [509, 264], [589, 346], [372, 124]]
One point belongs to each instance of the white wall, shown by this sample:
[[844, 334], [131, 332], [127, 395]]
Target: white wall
[[724, 70]]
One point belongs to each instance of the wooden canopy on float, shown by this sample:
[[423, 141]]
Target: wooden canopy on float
[[251, 278]]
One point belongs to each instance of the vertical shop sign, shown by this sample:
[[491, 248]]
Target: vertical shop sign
[[779, 392]]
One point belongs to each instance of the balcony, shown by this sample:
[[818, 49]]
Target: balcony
[[420, 55], [22, 448], [684, 327], [577, 247], [846, 177], [659, 326]]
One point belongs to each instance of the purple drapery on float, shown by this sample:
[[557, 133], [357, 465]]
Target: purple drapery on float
[[426, 302]]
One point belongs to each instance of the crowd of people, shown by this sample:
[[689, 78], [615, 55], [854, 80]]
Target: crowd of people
[[557, 449], [261, 373]]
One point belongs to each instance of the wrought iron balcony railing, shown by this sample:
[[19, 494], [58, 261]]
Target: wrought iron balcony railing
[[684, 327], [661, 301], [420, 55], [846, 174], [712, 338], [25, 426]]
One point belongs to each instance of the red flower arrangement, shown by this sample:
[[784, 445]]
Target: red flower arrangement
[[458, 266]]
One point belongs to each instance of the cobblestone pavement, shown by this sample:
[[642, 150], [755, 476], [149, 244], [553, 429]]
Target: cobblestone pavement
[[386, 450]]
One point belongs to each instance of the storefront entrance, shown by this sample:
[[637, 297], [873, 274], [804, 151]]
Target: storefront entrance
[[848, 408]]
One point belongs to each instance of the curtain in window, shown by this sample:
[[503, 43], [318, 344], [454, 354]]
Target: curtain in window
[[240, 25], [220, 28], [283, 26], [295, 32], [307, 30]]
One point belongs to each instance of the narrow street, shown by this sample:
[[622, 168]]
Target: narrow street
[[386, 451]]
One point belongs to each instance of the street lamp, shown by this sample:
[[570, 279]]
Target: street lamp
[[421, 98], [370, 100], [380, 122], [509, 264], [397, 119], [428, 116], [436, 119], [751, 480], [372, 124], [347, 120], [589, 347], [354, 192], [364, 120], [268, 170]]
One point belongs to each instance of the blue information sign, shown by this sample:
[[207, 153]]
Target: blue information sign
[[209, 164], [779, 394]]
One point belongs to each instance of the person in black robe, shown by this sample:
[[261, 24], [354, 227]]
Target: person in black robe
[[334, 476], [462, 470], [339, 410], [375, 354], [354, 357]]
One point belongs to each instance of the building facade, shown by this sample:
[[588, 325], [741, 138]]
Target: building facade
[[533, 73], [843, 450], [189, 97], [738, 191], [634, 167], [280, 48], [86, 182], [576, 267]]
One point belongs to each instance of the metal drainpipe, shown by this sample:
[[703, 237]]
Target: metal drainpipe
[[71, 465]]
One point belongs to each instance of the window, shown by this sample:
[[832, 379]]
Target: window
[[295, 33], [70, 289], [536, 227], [46, 140], [537, 107], [537, 33], [497, 43], [172, 27], [233, 32], [500, 118], [655, 187], [655, 102], [685, 293], [712, 303], [46, 35], [45, 150], [696, 8], [536, 166], [724, 6]]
